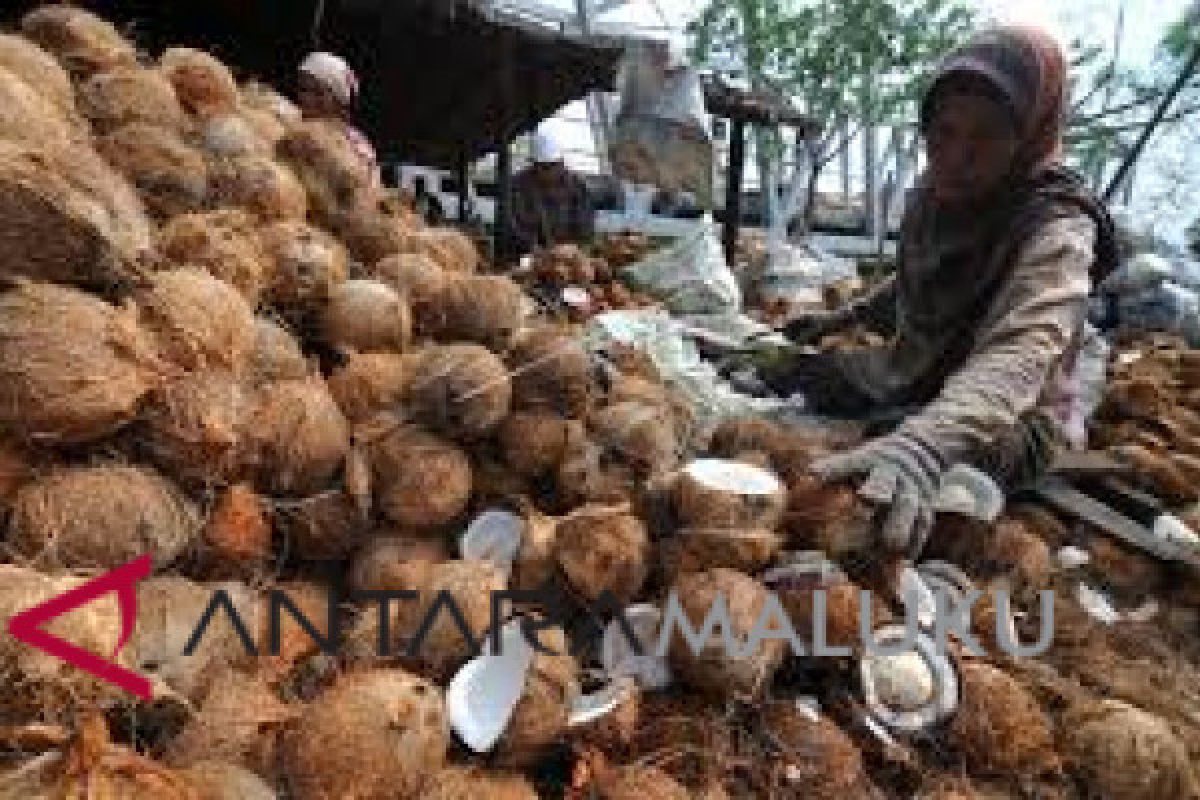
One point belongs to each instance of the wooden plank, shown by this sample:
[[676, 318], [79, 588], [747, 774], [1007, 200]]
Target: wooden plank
[[1075, 503], [1078, 463]]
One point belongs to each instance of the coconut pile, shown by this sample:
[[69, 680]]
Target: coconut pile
[[588, 285], [222, 346]]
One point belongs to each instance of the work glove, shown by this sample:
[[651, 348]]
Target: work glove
[[808, 328], [901, 476]]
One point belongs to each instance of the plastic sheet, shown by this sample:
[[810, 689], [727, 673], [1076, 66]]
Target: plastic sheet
[[690, 276]]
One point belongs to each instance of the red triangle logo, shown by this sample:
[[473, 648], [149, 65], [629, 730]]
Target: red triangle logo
[[27, 625]]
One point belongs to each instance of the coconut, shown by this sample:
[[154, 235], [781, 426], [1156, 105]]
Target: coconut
[[367, 316], [541, 715], [371, 736], [1160, 474], [218, 781], [225, 243], [296, 644], [30, 117], [534, 443], [485, 309], [258, 96], [601, 549], [608, 719], [726, 494], [227, 135], [396, 561], [72, 368], [332, 171], [1123, 568], [999, 727], [796, 589], [638, 782], [298, 436], [124, 95], [69, 218], [369, 383], [421, 482], [714, 671], [260, 185], [1124, 753], [461, 390], [742, 434], [1021, 557], [815, 754], [237, 535], [700, 549], [276, 356], [451, 249], [474, 783], [326, 526], [550, 370], [193, 428], [585, 477], [308, 265], [197, 320], [81, 41], [832, 519], [369, 234], [102, 517], [171, 177], [266, 126], [39, 70], [204, 85], [41, 685], [17, 468], [421, 282], [637, 435]]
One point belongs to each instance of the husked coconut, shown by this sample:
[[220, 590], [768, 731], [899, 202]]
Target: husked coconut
[[193, 428], [220, 781], [128, 94], [1158, 472], [296, 644], [999, 726], [843, 623], [741, 434], [198, 321], [258, 96], [451, 249], [637, 782], [368, 233], [534, 443], [1124, 568], [372, 736], [540, 718], [81, 41], [237, 534], [276, 356], [421, 282], [236, 134], [204, 85], [30, 117], [36, 67], [72, 368], [713, 670], [369, 383], [101, 517], [324, 159], [1018, 556], [421, 481], [601, 549], [225, 243], [308, 264], [368, 317], [485, 309], [817, 758], [170, 176], [396, 561], [586, 476], [460, 390], [700, 549], [17, 468], [298, 436], [1124, 753], [268, 127], [637, 435], [550, 370], [608, 720], [325, 526], [832, 519], [475, 783], [258, 184], [726, 494]]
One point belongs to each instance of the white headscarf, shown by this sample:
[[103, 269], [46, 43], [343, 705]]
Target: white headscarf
[[547, 149], [334, 74]]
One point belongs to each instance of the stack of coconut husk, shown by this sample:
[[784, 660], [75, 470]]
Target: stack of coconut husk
[[223, 347], [589, 284]]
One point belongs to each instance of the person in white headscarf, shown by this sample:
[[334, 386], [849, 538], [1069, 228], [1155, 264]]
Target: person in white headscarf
[[550, 203], [327, 88]]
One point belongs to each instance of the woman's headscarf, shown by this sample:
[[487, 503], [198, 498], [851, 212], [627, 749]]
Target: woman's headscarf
[[333, 73]]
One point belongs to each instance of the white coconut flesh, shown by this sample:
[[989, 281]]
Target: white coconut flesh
[[619, 658], [493, 536], [804, 570], [911, 689], [733, 477], [589, 708], [483, 695]]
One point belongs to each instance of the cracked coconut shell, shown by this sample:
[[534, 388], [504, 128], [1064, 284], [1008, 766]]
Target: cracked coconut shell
[[540, 719], [727, 494]]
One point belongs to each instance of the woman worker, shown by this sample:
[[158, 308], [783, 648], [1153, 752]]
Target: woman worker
[[328, 89], [999, 248]]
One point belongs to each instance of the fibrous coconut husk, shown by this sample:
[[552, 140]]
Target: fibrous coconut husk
[[30, 117], [298, 436], [421, 282], [634, 783], [999, 727], [421, 481], [395, 561], [219, 781], [485, 309], [259, 96], [451, 249], [308, 265], [81, 41], [124, 95], [615, 731], [540, 718], [198, 321], [460, 390], [700, 549], [814, 756], [843, 610], [259, 185], [325, 161], [17, 468], [36, 67], [551, 370], [707, 501], [475, 783], [204, 85], [367, 317], [369, 383], [1160, 474], [193, 428], [713, 671], [72, 368], [601, 549], [371, 736], [534, 443], [368, 233], [1123, 568], [325, 526], [102, 517], [170, 176], [276, 356], [742, 434], [237, 534], [637, 435], [832, 519], [1018, 557], [586, 476], [69, 218], [225, 243], [313, 603], [228, 135]]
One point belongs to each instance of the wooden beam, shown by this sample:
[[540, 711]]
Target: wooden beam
[[733, 188]]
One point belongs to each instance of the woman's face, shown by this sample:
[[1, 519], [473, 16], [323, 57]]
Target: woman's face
[[315, 100], [972, 143]]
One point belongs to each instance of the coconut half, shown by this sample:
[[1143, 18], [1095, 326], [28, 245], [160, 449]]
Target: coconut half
[[483, 696], [717, 493], [617, 654], [494, 536], [911, 690]]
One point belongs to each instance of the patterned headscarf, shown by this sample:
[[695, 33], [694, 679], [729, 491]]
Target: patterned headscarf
[[334, 74]]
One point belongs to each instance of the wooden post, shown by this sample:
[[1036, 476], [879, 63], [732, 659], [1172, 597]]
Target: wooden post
[[733, 187], [503, 218], [464, 187]]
